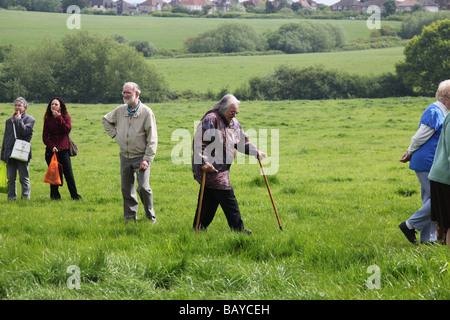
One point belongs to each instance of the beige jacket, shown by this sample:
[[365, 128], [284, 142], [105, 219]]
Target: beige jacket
[[135, 134]]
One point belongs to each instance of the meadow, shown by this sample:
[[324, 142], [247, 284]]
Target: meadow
[[339, 189], [217, 73], [203, 74], [30, 28]]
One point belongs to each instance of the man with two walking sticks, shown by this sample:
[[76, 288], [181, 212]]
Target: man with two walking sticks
[[216, 140]]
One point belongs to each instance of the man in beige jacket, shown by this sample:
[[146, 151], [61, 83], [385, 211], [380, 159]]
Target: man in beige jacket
[[133, 125]]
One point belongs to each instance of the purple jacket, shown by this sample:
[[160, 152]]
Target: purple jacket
[[216, 142]]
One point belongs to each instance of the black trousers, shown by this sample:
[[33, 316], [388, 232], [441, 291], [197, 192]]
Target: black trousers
[[64, 159], [211, 200]]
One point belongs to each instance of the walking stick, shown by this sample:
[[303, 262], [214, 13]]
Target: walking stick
[[270, 193], [200, 201]]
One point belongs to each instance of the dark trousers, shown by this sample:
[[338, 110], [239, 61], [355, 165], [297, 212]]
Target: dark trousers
[[211, 200], [64, 159]]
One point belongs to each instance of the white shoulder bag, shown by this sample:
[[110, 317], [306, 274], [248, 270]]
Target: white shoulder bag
[[21, 149]]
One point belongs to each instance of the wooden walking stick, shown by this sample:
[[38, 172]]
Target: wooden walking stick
[[270, 193], [200, 201]]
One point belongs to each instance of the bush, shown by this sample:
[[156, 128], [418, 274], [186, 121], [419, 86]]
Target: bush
[[5, 49], [414, 25], [144, 47], [427, 59], [226, 38], [306, 37], [80, 68], [316, 83]]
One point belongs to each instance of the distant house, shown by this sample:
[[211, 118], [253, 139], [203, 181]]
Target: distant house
[[224, 5], [367, 4], [408, 5], [192, 4], [119, 6], [149, 6], [353, 5], [307, 4], [123, 7], [103, 5]]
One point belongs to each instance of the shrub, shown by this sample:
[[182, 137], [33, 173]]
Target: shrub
[[418, 20], [144, 47], [226, 38], [306, 37], [80, 68], [315, 83], [427, 59]]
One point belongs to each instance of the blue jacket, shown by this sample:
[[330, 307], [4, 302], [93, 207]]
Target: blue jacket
[[422, 159]]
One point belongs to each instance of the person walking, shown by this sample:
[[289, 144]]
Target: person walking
[[19, 126], [421, 153], [216, 140], [440, 174], [55, 135], [133, 125]]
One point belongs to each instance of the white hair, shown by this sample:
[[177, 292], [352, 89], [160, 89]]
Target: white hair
[[225, 103], [134, 85], [443, 91], [25, 103]]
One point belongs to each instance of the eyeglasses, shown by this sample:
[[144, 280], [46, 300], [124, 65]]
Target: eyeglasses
[[127, 92], [233, 113]]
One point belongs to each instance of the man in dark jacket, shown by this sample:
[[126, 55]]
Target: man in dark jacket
[[23, 124], [218, 136]]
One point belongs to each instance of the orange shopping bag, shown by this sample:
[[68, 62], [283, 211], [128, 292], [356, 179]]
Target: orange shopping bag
[[52, 175]]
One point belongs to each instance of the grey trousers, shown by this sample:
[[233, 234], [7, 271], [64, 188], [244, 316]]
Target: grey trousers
[[129, 171], [12, 167], [421, 220]]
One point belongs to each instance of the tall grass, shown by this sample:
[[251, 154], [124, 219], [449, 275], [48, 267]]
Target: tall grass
[[338, 191]]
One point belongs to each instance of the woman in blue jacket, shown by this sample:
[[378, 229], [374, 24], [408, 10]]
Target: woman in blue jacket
[[421, 153]]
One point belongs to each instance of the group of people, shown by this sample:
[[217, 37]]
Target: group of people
[[57, 126], [133, 126], [429, 156]]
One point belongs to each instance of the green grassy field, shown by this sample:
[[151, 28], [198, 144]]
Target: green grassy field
[[199, 74], [30, 28], [340, 192], [214, 73]]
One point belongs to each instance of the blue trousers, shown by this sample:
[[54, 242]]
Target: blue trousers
[[421, 220]]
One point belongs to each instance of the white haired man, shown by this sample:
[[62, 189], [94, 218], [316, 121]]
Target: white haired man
[[216, 140], [133, 125]]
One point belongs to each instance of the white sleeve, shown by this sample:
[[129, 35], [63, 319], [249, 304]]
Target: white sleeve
[[422, 135]]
